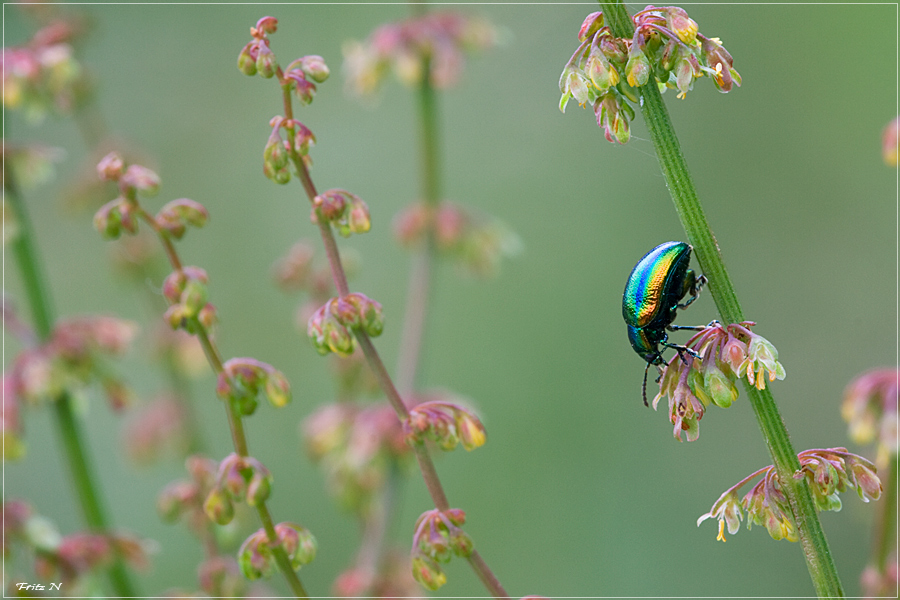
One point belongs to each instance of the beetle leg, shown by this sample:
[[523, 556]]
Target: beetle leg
[[681, 350], [644, 385], [695, 289], [687, 327]]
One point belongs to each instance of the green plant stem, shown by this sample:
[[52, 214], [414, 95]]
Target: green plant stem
[[413, 333], [235, 423], [69, 429], [821, 565], [884, 537]]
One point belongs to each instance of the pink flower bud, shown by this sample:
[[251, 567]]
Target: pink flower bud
[[305, 90], [330, 205], [299, 544], [868, 485], [410, 224], [181, 212], [889, 141], [592, 24], [176, 499], [142, 179], [303, 138], [315, 68], [110, 167], [267, 25], [220, 577]]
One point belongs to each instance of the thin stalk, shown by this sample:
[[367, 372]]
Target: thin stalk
[[235, 423], [884, 538], [413, 333], [429, 473], [79, 461], [819, 561]]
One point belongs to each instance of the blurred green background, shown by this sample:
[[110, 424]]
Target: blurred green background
[[580, 490]]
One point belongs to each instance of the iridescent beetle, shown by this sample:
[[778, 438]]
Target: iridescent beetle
[[652, 297]]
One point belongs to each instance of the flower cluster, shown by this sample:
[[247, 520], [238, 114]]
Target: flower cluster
[[889, 142], [828, 472], [434, 44], [666, 49], [330, 327], [243, 379], [161, 424], [438, 536], [238, 479], [475, 241], [257, 58], [186, 291], [30, 164], [255, 556], [73, 558], [219, 575], [11, 427], [184, 498], [123, 213], [878, 583], [278, 150], [357, 447], [43, 74], [445, 423], [393, 580], [345, 211], [71, 359], [174, 217], [870, 407], [705, 374]]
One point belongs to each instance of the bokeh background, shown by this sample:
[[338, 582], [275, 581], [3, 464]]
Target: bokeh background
[[580, 490]]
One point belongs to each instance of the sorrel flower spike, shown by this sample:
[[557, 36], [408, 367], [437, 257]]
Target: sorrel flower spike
[[667, 49], [720, 355], [433, 45], [828, 472], [870, 408]]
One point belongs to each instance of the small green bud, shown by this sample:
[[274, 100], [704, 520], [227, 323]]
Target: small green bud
[[255, 556], [277, 389], [721, 388], [108, 220], [315, 68], [194, 297], [637, 70], [428, 573], [298, 542], [218, 507], [246, 61], [259, 488], [265, 61]]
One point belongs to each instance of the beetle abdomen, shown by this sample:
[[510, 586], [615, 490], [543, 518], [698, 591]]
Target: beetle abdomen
[[655, 285]]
